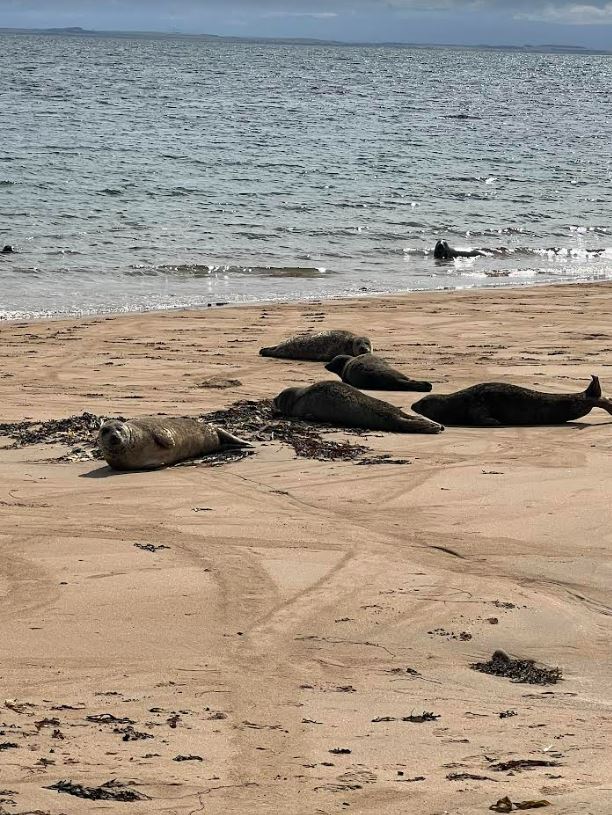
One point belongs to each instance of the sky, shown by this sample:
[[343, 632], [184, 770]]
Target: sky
[[470, 22]]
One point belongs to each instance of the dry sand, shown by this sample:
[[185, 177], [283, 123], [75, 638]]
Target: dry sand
[[298, 600]]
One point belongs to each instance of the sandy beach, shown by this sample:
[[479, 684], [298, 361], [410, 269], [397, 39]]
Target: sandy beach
[[242, 667]]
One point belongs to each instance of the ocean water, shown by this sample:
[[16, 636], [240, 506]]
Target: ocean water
[[158, 173]]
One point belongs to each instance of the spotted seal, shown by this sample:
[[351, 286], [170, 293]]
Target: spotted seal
[[442, 251], [151, 442], [370, 372], [343, 405], [494, 404], [321, 346]]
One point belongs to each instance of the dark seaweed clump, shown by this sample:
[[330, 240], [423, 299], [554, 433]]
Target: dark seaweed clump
[[518, 670], [75, 430], [257, 421], [109, 791]]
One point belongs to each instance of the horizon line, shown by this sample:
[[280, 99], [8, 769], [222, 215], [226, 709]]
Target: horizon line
[[80, 31]]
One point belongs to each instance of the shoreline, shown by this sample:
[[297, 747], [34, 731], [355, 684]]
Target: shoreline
[[290, 634], [340, 298]]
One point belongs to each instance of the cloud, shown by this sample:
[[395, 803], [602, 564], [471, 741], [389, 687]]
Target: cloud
[[571, 14], [590, 12], [565, 11]]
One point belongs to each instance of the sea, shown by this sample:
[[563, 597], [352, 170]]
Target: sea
[[157, 173]]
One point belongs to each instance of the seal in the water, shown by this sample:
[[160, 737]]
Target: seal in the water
[[442, 251], [321, 347], [7, 250], [342, 405], [494, 404], [157, 441], [373, 373]]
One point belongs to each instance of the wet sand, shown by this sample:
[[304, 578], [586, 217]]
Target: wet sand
[[298, 601]]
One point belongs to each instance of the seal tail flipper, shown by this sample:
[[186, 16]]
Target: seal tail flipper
[[228, 439], [594, 389], [415, 385], [594, 392]]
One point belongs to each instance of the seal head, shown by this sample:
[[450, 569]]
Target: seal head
[[361, 345], [114, 436], [337, 364]]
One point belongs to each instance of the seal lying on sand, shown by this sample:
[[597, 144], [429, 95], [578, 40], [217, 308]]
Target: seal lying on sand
[[494, 404], [373, 373], [157, 441], [442, 251], [343, 405], [321, 347]]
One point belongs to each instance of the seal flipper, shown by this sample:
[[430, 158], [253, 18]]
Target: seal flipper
[[227, 439], [594, 389], [479, 417], [162, 437], [594, 392], [267, 352], [414, 385]]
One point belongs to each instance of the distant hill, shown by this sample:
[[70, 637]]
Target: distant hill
[[77, 31]]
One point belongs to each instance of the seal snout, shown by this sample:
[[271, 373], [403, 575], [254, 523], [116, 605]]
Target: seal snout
[[112, 434], [112, 437]]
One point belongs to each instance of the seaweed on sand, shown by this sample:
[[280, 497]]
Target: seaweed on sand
[[109, 791], [518, 670], [251, 420], [258, 421], [75, 430]]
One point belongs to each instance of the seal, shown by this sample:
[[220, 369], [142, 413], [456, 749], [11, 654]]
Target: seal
[[442, 251], [321, 347], [343, 405], [494, 404], [373, 373], [7, 250], [152, 442]]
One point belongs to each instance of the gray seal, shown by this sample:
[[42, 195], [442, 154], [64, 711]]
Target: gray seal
[[158, 441], [494, 404], [442, 251], [320, 347], [373, 373], [342, 405]]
